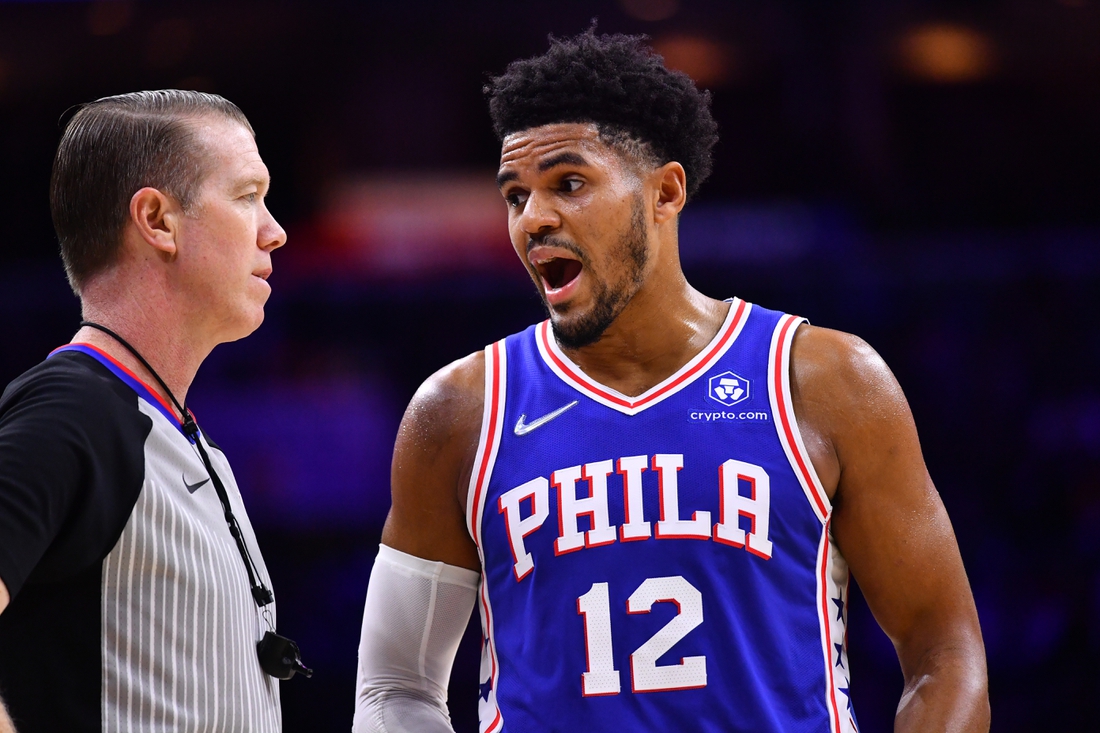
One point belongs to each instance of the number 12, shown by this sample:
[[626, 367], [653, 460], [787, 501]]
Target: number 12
[[601, 677]]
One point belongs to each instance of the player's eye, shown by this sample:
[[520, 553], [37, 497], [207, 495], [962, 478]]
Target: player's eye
[[571, 185], [516, 199]]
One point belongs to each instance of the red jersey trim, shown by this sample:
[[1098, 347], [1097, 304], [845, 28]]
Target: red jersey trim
[[571, 374], [826, 626], [779, 389], [168, 408], [492, 426]]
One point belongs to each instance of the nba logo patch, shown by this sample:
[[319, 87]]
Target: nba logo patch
[[728, 388]]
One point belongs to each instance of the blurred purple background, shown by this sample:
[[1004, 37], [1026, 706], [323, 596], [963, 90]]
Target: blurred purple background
[[922, 174]]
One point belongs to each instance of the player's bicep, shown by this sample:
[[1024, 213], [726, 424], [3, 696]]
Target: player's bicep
[[432, 457], [901, 548], [889, 520]]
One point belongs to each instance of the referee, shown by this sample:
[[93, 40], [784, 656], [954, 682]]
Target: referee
[[132, 592]]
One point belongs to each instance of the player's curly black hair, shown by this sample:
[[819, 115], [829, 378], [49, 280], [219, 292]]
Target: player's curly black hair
[[620, 84]]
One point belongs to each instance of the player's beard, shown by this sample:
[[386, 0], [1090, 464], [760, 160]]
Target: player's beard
[[609, 300]]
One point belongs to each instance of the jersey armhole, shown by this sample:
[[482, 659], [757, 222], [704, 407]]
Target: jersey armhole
[[786, 423], [492, 424]]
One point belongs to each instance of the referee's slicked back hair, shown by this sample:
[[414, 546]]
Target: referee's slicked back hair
[[112, 148], [622, 86]]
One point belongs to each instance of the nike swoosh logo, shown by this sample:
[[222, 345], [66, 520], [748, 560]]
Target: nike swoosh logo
[[192, 488], [524, 428]]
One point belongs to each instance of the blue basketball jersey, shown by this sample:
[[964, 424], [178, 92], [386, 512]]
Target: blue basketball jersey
[[658, 562]]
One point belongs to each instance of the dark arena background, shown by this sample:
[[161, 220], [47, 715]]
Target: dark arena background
[[922, 174]]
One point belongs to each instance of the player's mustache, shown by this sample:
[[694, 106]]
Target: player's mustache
[[552, 241]]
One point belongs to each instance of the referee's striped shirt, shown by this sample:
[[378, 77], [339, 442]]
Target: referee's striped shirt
[[131, 607]]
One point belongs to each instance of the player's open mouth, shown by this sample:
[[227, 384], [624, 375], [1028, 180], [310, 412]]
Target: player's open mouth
[[557, 272], [559, 275]]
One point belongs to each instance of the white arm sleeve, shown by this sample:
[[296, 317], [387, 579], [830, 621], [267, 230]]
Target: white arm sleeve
[[415, 615]]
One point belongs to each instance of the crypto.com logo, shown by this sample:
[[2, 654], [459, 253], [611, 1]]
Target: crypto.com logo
[[728, 388]]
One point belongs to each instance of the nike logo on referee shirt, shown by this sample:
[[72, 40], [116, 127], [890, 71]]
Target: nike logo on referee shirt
[[524, 428], [192, 488]]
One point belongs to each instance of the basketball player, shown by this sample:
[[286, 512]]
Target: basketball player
[[656, 497], [137, 592]]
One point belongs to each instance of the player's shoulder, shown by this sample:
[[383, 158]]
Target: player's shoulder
[[450, 401], [835, 349], [839, 368], [459, 381]]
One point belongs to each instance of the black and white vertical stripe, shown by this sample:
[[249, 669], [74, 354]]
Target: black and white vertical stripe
[[179, 623]]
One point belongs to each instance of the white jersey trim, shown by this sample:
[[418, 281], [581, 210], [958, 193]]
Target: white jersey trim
[[832, 570], [832, 614], [492, 426], [572, 374], [786, 424]]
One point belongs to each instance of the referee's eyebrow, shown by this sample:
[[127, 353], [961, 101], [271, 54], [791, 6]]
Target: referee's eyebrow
[[566, 158], [262, 182]]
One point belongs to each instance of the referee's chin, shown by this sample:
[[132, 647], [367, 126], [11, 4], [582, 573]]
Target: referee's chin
[[243, 324]]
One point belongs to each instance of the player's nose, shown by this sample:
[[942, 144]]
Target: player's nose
[[538, 216]]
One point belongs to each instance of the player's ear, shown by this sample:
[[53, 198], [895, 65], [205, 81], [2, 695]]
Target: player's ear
[[671, 191], [156, 217]]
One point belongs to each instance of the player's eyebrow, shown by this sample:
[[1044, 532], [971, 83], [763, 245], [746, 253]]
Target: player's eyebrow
[[566, 158]]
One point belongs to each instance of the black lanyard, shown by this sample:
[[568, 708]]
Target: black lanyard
[[284, 661]]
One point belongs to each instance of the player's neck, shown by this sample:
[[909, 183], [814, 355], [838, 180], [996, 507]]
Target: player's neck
[[659, 331]]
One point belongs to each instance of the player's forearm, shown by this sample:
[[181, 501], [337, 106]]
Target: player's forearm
[[399, 711], [949, 693], [415, 614]]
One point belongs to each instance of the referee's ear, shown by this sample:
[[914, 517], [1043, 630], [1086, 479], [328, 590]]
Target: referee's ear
[[155, 218]]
